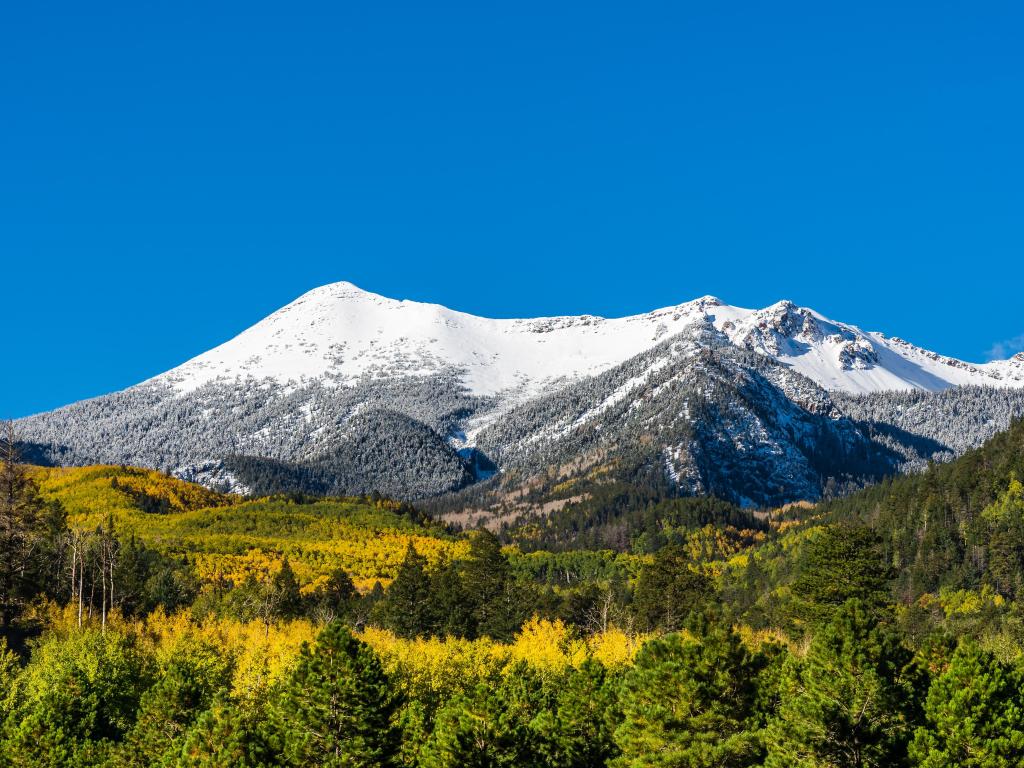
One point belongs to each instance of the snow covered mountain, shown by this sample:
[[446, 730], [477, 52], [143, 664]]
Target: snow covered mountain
[[345, 391], [343, 334]]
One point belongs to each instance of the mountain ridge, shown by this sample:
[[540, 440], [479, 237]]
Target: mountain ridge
[[343, 391], [356, 333]]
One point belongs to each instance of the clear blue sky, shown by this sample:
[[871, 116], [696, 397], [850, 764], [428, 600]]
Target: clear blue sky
[[171, 172]]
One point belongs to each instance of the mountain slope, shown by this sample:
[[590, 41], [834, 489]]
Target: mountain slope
[[715, 419], [958, 525], [343, 391]]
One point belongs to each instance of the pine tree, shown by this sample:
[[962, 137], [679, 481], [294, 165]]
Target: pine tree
[[490, 726], [284, 589], [668, 591], [407, 608], [487, 579], [338, 708], [974, 714], [575, 730], [335, 599], [131, 572], [24, 531], [842, 563], [690, 702], [226, 736], [195, 675], [851, 703], [453, 606]]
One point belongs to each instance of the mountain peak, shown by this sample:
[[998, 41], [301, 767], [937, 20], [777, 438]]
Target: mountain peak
[[708, 301], [340, 289], [340, 334]]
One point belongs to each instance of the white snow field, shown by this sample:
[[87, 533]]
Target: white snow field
[[343, 334]]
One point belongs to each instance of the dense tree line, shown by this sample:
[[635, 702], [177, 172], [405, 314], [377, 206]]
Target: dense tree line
[[856, 697], [628, 517]]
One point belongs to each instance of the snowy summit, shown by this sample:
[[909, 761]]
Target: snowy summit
[[344, 334]]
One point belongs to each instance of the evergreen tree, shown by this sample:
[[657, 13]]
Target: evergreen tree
[[227, 736], [574, 731], [974, 715], [186, 688], [690, 702], [407, 608], [338, 708], [131, 572], [25, 532], [843, 562], [365, 607], [285, 593], [668, 591], [171, 584], [851, 702], [453, 606], [146, 578], [498, 609], [335, 599], [490, 727]]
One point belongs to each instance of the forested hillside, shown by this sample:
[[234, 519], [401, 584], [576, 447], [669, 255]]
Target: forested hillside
[[954, 528], [148, 621], [940, 426]]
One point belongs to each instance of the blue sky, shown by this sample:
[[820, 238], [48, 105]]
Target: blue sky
[[172, 172]]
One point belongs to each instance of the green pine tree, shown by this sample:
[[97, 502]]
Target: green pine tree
[[407, 608], [227, 736], [489, 727], [851, 702], [575, 730], [975, 718], [668, 591], [335, 599], [338, 708], [690, 702], [194, 676], [843, 562], [284, 588], [498, 605], [453, 606]]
